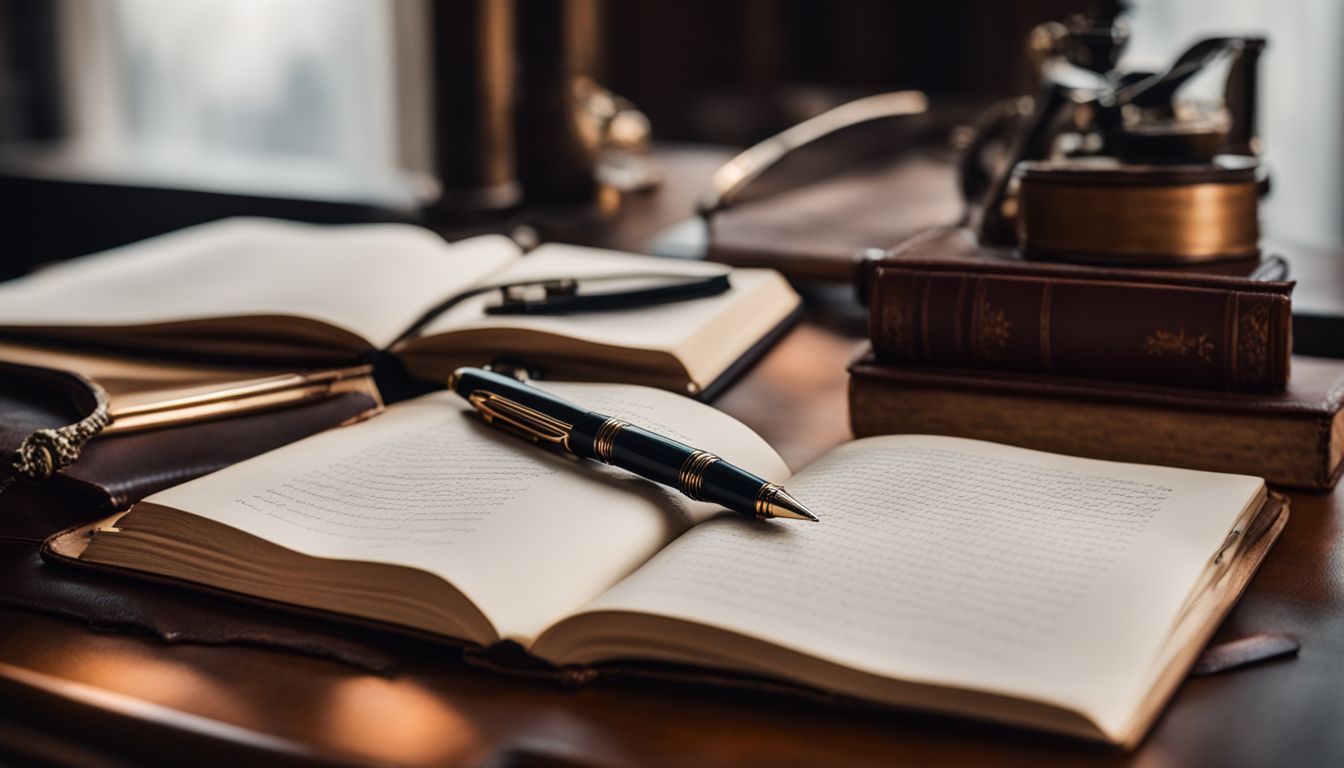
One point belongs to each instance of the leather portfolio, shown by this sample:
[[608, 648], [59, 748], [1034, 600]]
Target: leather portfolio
[[116, 470]]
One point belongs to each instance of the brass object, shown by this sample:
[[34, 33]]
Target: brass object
[[763, 498], [691, 479], [1147, 124], [265, 394], [605, 439], [528, 422], [1105, 212], [47, 451], [773, 501]]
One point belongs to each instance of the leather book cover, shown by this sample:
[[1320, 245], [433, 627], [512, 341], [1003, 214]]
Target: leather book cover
[[1294, 438], [1168, 328], [116, 469]]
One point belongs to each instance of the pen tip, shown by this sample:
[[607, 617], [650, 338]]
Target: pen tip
[[781, 504]]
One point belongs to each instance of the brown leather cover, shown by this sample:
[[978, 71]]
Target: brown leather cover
[[115, 471], [1294, 438], [1174, 329]]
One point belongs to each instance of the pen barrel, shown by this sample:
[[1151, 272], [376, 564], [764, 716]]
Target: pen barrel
[[467, 381], [671, 463], [547, 418]]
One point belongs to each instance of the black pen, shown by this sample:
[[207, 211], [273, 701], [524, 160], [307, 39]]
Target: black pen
[[699, 475]]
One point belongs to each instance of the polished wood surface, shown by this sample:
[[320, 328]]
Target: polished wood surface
[[73, 695], [437, 711]]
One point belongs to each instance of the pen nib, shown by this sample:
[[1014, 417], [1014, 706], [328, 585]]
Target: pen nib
[[780, 504]]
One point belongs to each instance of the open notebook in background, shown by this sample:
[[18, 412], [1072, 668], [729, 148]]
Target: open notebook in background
[[261, 291], [1058, 593]]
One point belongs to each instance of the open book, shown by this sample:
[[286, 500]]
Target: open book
[[954, 575], [258, 290]]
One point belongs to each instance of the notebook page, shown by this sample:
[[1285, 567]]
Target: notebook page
[[961, 563], [526, 534], [370, 279]]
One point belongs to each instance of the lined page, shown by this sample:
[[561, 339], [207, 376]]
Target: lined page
[[372, 280], [961, 563], [528, 535]]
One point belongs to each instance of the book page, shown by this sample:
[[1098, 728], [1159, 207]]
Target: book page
[[707, 334], [525, 533], [371, 280], [964, 564]]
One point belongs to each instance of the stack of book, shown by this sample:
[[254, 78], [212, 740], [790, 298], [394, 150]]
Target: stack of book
[[1166, 366]]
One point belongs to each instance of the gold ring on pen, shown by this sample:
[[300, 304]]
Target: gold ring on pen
[[605, 439], [692, 475], [765, 498]]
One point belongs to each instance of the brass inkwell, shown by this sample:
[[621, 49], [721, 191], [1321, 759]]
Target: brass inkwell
[[1113, 167]]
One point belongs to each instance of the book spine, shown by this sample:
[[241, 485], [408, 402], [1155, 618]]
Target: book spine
[[1171, 335]]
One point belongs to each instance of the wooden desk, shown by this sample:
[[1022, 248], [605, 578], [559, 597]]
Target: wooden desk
[[438, 711], [75, 695]]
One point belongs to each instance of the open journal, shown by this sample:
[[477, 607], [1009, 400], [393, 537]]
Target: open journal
[[954, 575], [258, 290]]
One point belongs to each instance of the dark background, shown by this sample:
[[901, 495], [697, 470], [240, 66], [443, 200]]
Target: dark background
[[734, 72]]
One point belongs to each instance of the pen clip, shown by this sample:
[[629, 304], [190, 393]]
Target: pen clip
[[518, 295], [574, 295], [529, 422]]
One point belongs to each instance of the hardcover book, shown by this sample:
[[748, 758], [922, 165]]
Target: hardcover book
[[945, 574], [1171, 328], [1293, 438]]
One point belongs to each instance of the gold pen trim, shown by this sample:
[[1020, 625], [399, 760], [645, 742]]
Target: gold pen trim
[[691, 478], [605, 439], [529, 422], [765, 500]]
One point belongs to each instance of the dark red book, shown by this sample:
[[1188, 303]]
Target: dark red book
[[1179, 329]]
